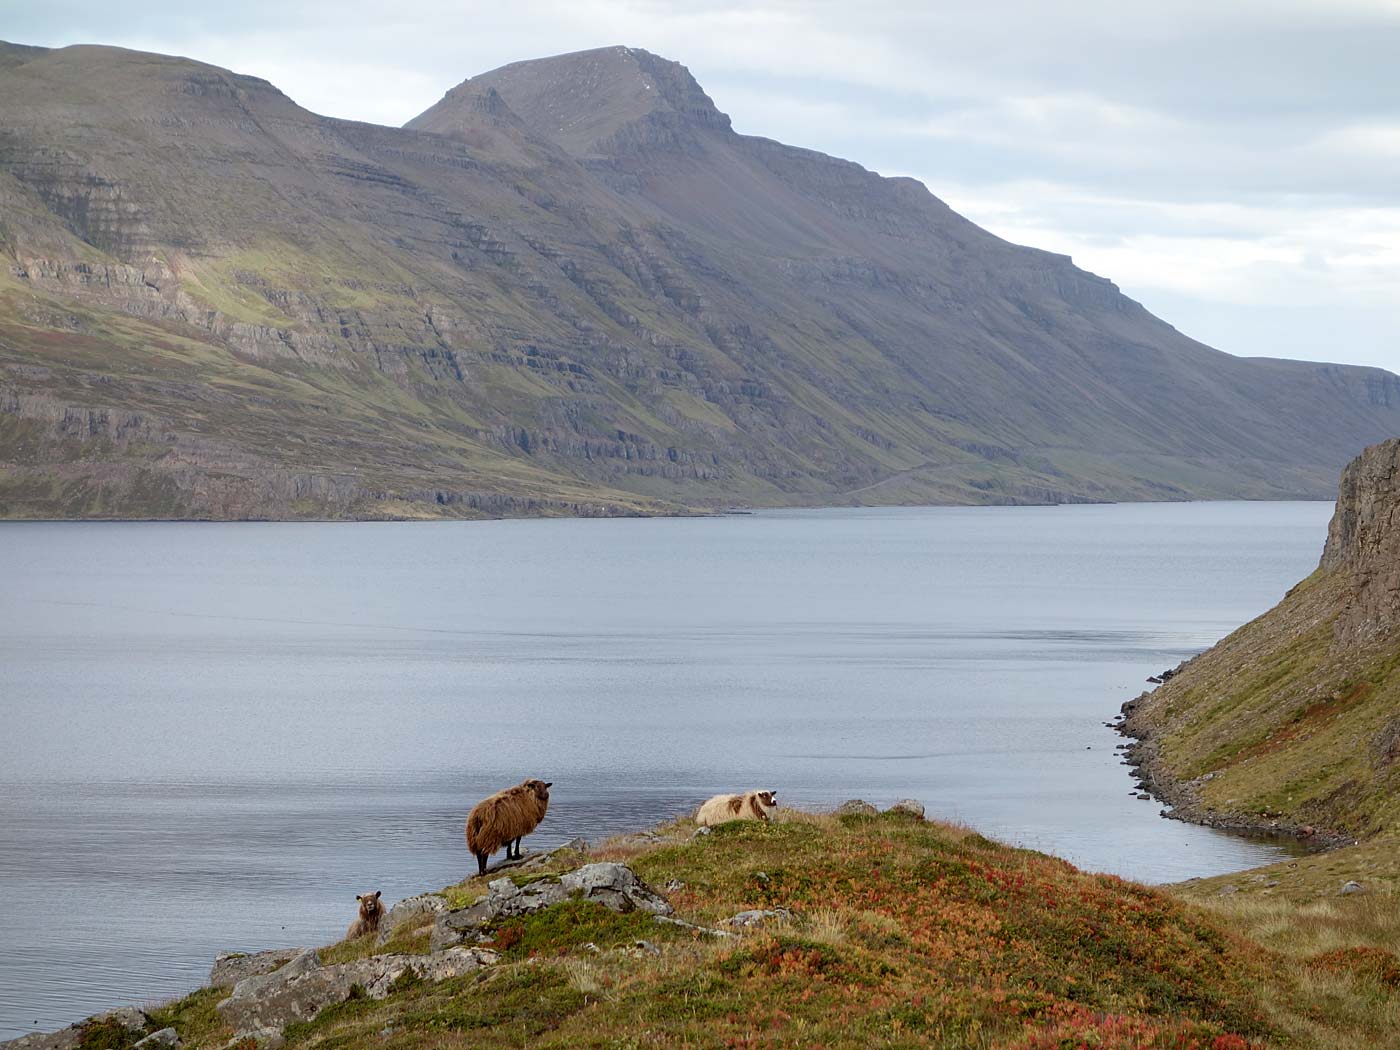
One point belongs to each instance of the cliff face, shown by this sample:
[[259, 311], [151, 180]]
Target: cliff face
[[1364, 541], [568, 287], [1293, 721]]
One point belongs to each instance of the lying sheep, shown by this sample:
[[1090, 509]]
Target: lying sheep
[[371, 911], [504, 819], [756, 805]]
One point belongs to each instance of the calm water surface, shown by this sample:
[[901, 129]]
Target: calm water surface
[[216, 735]]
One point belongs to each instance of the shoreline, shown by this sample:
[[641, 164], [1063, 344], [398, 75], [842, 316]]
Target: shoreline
[[1143, 757]]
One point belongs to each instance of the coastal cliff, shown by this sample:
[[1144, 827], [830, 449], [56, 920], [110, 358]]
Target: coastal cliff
[[1292, 723]]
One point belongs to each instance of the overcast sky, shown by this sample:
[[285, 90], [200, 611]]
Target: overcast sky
[[1235, 165]]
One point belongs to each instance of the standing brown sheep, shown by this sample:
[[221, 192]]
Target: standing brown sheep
[[371, 911], [504, 819]]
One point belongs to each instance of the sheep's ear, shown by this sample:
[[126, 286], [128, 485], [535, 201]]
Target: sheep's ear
[[358, 897], [550, 784], [377, 893]]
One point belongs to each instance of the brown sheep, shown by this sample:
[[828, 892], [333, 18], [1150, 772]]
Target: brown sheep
[[371, 911], [504, 819], [755, 805]]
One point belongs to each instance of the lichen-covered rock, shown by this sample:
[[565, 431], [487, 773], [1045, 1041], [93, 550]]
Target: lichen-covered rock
[[612, 885], [411, 912], [261, 1006], [232, 967]]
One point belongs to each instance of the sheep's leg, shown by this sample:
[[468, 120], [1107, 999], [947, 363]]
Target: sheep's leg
[[517, 849], [481, 863]]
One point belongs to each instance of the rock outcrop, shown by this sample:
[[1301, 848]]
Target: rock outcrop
[[1292, 723], [232, 967], [1363, 541], [614, 886], [262, 1006]]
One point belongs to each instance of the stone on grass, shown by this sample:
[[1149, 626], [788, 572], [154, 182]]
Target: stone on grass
[[909, 807], [759, 917], [411, 912], [164, 1038], [1351, 886], [261, 1006], [231, 967], [610, 884]]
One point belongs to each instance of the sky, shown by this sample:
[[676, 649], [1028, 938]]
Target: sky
[[1232, 164]]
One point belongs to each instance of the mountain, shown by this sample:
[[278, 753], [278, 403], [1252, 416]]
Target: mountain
[[568, 287], [1293, 721]]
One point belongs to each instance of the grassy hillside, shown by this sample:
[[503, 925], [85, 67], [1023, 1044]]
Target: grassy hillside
[[1293, 721], [902, 933]]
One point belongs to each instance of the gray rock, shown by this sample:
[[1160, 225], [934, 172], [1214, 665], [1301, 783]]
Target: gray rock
[[1350, 887], [707, 930], [701, 831], [68, 1038], [612, 885], [910, 807], [1225, 891], [410, 913], [856, 807], [165, 1037], [231, 967], [64, 1039], [261, 1006], [759, 917]]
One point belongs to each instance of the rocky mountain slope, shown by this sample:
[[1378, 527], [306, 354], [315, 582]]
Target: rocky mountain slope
[[569, 287], [1293, 721]]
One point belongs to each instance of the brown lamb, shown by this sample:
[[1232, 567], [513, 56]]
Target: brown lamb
[[504, 819], [371, 911]]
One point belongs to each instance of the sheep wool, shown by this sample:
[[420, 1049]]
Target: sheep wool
[[371, 911], [754, 805], [504, 819]]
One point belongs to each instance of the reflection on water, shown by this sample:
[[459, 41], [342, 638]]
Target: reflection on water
[[219, 734]]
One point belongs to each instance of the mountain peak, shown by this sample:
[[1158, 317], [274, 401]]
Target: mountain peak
[[592, 103]]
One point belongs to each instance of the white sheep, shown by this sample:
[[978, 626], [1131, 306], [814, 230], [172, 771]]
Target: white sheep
[[755, 805]]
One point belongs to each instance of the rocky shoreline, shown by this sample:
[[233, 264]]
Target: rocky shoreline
[[1182, 797]]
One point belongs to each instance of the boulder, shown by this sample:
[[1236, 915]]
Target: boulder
[[262, 1005], [1349, 887], [612, 885], [909, 807], [411, 912], [856, 807], [231, 967]]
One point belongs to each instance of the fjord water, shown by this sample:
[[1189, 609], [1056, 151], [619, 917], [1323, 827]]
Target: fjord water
[[217, 734]]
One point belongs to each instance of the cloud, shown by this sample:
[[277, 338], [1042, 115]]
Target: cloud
[[1216, 160]]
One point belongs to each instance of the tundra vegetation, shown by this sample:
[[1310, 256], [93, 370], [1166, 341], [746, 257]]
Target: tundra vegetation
[[897, 932]]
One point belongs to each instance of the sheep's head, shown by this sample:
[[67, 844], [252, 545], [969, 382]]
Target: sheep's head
[[767, 799], [540, 788], [370, 905]]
